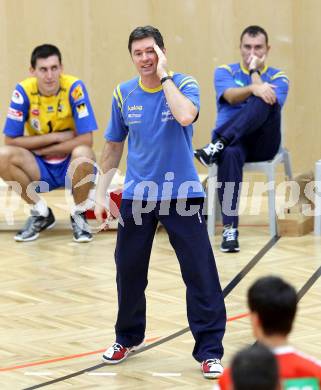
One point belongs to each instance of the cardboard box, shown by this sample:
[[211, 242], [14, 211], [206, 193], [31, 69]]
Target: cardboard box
[[295, 225], [301, 181]]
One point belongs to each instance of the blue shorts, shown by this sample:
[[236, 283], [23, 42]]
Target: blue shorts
[[53, 174]]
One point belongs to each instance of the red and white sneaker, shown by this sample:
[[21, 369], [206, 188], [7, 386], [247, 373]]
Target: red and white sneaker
[[212, 368], [117, 353]]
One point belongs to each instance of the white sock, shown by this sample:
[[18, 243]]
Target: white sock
[[41, 208], [79, 208]]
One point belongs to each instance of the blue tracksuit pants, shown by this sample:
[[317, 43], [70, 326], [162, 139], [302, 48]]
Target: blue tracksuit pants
[[188, 236], [252, 134]]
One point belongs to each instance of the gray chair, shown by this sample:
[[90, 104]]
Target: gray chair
[[317, 199], [267, 167]]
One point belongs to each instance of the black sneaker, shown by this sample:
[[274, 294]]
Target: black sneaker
[[230, 242], [80, 227], [35, 224], [210, 153]]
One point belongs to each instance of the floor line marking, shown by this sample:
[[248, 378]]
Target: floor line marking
[[62, 358], [309, 283]]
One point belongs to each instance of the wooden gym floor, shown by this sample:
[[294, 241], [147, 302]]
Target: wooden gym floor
[[58, 306]]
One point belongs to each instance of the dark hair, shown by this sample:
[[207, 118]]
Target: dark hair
[[254, 31], [275, 302], [255, 368], [44, 51], [145, 32]]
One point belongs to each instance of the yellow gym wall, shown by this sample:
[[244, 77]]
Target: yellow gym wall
[[199, 35]]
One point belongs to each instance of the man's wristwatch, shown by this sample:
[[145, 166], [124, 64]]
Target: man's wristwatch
[[167, 77], [255, 71]]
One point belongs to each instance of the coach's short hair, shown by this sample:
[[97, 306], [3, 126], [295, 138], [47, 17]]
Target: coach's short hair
[[145, 32]]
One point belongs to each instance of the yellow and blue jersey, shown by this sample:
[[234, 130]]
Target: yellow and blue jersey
[[30, 113], [236, 76], [159, 148]]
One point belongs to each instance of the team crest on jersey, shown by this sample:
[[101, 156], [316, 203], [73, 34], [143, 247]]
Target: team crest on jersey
[[167, 116], [82, 110], [77, 93], [35, 124], [50, 109], [17, 97], [15, 115]]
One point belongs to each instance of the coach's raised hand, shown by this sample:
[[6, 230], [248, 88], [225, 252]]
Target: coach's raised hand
[[162, 62]]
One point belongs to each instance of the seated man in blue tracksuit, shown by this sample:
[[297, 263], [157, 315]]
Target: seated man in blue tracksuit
[[249, 98]]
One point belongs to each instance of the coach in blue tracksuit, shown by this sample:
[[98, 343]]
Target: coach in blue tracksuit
[[156, 111], [249, 98]]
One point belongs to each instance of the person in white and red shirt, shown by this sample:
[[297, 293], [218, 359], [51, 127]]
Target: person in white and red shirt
[[273, 305], [255, 368]]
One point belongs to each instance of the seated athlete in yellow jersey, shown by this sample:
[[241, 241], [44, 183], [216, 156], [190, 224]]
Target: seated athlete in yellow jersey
[[49, 126]]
